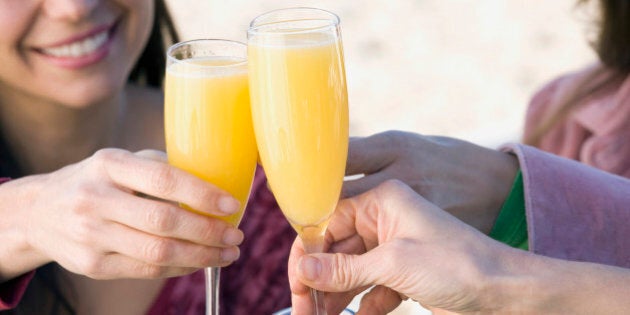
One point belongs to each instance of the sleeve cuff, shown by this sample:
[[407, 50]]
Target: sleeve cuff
[[11, 292]]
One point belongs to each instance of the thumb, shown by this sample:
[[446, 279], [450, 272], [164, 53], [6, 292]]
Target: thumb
[[338, 272]]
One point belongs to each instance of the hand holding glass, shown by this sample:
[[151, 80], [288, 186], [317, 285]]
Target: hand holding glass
[[300, 113], [208, 124]]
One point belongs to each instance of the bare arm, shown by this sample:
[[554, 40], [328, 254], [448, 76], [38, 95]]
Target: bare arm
[[405, 246], [536, 284], [469, 181], [16, 255]]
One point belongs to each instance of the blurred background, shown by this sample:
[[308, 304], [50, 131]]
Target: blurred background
[[462, 68]]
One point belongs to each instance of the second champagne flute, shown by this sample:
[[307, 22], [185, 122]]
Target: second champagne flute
[[208, 124], [300, 112]]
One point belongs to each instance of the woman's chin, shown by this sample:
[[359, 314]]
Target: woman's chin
[[86, 97]]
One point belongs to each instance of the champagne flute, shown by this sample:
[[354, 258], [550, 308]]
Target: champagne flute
[[208, 124], [300, 112]]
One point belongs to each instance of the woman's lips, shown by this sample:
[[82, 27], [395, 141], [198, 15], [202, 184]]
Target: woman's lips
[[81, 51]]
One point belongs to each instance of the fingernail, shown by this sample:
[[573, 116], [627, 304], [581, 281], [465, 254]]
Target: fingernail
[[310, 267], [230, 254], [228, 205], [232, 237]]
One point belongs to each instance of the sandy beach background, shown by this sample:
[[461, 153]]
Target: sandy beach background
[[462, 68]]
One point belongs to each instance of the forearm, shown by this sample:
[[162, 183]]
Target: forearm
[[17, 256], [543, 285]]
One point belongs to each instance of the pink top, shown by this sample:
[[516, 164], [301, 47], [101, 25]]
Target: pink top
[[596, 132]]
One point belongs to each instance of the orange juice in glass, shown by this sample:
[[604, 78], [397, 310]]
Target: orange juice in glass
[[300, 113], [208, 122], [301, 117]]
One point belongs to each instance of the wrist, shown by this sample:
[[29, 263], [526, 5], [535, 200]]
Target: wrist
[[17, 255], [509, 287], [527, 283], [491, 181]]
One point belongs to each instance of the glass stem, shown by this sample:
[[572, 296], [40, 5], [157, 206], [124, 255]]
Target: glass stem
[[318, 302], [212, 290], [313, 240]]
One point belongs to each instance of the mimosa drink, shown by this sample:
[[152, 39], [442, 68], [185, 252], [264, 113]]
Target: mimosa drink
[[300, 110], [208, 124]]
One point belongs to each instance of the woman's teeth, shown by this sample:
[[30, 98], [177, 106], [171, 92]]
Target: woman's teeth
[[79, 48]]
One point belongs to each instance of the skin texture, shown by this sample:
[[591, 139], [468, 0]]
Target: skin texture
[[469, 181], [395, 240], [394, 229], [30, 26], [92, 202], [115, 232]]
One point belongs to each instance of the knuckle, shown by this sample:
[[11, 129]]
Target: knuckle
[[105, 160], [91, 266], [390, 137], [84, 196], [204, 194], [208, 257], [163, 180], [211, 229], [105, 156], [158, 250], [343, 270], [152, 271], [391, 185], [83, 230], [160, 218]]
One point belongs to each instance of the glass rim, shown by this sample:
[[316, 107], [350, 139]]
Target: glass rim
[[255, 29], [170, 58]]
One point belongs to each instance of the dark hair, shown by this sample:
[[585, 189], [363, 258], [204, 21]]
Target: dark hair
[[46, 293], [612, 46], [150, 66]]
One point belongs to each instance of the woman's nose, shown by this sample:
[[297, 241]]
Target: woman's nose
[[72, 10]]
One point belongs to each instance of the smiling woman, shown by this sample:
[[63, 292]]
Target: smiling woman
[[79, 93], [88, 57], [81, 50]]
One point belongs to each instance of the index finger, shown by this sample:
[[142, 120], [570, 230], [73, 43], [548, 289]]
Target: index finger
[[167, 182], [368, 155]]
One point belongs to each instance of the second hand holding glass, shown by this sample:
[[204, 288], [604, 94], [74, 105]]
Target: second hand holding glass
[[300, 114]]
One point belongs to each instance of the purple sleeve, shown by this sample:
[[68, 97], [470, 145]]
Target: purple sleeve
[[11, 292], [574, 211]]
